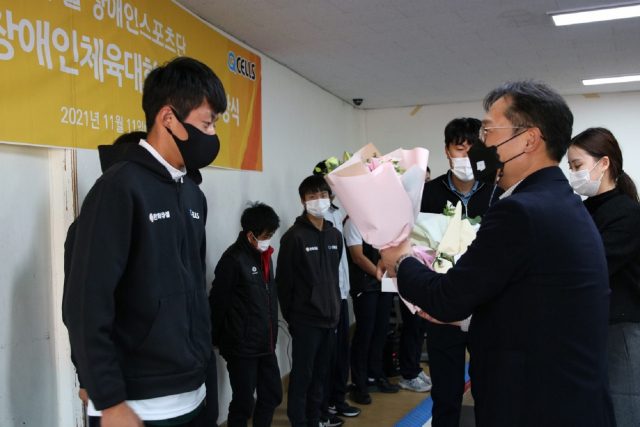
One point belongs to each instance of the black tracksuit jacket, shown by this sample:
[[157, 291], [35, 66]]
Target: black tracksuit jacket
[[307, 274], [135, 297], [244, 306], [437, 193]]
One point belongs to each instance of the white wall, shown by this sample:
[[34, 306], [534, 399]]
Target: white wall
[[302, 124], [27, 368], [391, 128]]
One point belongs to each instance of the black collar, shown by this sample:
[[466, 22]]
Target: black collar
[[593, 203], [551, 173]]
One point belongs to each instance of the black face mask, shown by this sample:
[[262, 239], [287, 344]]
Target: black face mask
[[485, 161], [199, 149]]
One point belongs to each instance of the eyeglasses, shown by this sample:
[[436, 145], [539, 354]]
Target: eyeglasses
[[483, 130]]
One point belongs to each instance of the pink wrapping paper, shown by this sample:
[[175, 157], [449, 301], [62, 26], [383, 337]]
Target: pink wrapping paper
[[382, 205]]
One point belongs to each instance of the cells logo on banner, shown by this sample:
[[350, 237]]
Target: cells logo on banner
[[242, 66]]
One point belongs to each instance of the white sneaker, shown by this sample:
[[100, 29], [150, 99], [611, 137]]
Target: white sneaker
[[415, 384], [425, 379]]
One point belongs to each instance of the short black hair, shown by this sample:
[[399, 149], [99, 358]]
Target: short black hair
[[313, 184], [462, 129], [429, 169], [184, 83], [258, 218], [130, 138], [535, 104]]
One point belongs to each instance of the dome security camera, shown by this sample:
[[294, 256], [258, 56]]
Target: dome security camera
[[357, 102]]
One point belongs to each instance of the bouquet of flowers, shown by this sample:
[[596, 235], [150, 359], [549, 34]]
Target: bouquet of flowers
[[381, 194], [450, 233]]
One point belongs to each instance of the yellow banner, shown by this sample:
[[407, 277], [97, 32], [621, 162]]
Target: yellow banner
[[72, 71]]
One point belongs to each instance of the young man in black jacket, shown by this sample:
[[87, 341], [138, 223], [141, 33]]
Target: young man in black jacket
[[136, 304], [446, 344], [244, 318], [309, 294]]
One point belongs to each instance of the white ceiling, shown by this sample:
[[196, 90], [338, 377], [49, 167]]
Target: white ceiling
[[396, 53]]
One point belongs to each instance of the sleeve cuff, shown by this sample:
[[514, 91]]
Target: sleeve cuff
[[109, 401]]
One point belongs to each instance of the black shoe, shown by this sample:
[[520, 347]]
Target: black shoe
[[382, 386], [345, 410], [359, 397], [331, 421]]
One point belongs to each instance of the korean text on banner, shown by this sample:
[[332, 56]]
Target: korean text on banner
[[72, 72]]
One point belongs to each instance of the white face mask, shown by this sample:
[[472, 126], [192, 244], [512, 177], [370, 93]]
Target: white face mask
[[582, 184], [263, 245], [318, 207], [462, 168]]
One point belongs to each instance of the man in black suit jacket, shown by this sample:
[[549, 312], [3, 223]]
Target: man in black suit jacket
[[535, 277]]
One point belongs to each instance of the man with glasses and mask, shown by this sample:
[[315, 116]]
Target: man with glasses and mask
[[136, 304], [535, 278], [446, 344]]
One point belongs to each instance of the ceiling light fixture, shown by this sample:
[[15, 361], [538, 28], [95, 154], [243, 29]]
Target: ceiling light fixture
[[604, 13], [608, 80]]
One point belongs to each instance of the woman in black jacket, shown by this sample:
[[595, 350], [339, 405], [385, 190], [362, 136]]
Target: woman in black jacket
[[595, 160]]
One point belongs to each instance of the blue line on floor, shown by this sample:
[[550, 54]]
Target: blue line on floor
[[422, 413]]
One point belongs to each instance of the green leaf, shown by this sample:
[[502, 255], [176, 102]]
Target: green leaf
[[472, 221], [449, 209]]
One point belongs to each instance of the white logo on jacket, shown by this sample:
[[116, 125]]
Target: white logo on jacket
[[194, 215], [254, 270], [335, 247], [161, 215], [311, 248]]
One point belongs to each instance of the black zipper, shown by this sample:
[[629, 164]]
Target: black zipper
[[466, 211], [325, 261], [191, 286], [266, 287], [270, 318]]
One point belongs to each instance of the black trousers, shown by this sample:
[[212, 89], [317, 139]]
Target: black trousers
[[411, 340], [311, 351], [372, 310], [211, 401], [335, 385], [198, 421], [446, 346], [249, 374]]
